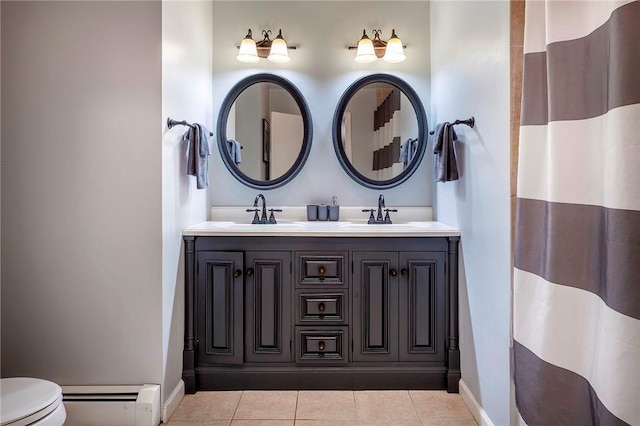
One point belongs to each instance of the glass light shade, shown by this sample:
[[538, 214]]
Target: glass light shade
[[248, 52], [279, 52], [394, 52], [365, 53]]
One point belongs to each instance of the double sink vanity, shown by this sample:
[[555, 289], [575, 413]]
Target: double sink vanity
[[366, 302], [321, 305]]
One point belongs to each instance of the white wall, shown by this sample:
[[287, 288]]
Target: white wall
[[286, 132], [408, 123], [248, 129], [361, 108], [186, 95], [470, 74], [81, 223], [322, 68], [281, 101]]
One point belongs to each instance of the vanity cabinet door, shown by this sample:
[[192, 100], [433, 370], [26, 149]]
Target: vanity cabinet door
[[268, 307], [220, 301], [375, 306], [422, 306]]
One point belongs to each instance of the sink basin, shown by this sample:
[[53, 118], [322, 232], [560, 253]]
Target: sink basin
[[408, 226], [248, 226]]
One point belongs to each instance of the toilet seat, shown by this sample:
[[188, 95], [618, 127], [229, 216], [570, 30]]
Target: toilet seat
[[28, 401]]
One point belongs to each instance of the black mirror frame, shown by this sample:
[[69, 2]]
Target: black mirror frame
[[423, 130], [221, 133]]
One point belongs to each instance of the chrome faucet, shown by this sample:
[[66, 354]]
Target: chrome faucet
[[262, 219], [378, 219]]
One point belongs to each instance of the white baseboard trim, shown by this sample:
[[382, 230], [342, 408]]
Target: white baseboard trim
[[173, 402], [476, 410]]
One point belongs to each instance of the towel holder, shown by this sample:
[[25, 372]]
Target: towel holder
[[171, 122], [471, 122]]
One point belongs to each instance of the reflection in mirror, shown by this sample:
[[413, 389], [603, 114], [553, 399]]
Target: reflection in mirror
[[265, 131], [379, 131]]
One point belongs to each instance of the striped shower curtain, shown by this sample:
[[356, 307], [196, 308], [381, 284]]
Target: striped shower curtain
[[577, 250], [386, 134]]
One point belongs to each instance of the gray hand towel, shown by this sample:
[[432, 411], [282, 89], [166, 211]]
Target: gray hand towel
[[196, 141], [234, 148], [446, 166], [408, 150]]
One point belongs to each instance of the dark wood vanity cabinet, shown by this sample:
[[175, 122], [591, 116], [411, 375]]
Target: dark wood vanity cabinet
[[321, 313], [395, 300]]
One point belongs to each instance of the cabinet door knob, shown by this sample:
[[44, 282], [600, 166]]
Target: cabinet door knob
[[249, 272], [404, 272], [393, 272], [321, 345], [321, 307], [237, 273], [321, 270]]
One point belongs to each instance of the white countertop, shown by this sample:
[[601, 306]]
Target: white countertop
[[286, 228]]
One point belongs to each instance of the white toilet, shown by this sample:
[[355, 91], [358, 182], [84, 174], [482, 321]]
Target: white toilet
[[27, 401]]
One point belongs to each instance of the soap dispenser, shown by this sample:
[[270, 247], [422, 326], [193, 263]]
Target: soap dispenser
[[334, 209]]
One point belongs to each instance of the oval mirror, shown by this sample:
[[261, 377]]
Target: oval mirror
[[380, 131], [264, 131]]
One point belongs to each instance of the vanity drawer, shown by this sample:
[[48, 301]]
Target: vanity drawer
[[321, 307], [321, 345], [325, 269]]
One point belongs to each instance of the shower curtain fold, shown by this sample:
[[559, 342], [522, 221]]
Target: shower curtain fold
[[577, 245]]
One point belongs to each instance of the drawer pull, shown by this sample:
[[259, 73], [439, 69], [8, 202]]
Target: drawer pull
[[249, 272], [393, 272], [321, 345], [321, 270], [321, 307], [404, 272], [237, 273]]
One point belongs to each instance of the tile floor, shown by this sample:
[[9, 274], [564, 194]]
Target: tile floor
[[330, 408]]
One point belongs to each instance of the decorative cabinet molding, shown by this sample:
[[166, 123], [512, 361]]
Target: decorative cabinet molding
[[421, 300], [267, 326], [321, 313], [317, 346], [220, 294], [321, 307], [321, 269], [375, 306]]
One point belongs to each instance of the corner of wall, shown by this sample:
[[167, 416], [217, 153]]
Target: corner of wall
[[187, 50]]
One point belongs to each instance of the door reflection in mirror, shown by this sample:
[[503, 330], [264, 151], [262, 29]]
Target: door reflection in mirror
[[379, 131], [267, 122]]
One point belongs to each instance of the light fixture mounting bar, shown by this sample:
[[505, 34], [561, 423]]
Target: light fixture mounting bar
[[404, 46], [263, 51]]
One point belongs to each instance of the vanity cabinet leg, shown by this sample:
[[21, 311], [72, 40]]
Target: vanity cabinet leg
[[453, 355], [188, 354]]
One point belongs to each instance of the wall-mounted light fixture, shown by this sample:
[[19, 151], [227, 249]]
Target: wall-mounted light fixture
[[275, 51], [368, 50]]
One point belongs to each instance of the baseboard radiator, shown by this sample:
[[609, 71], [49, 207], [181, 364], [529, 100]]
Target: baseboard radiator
[[112, 405]]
